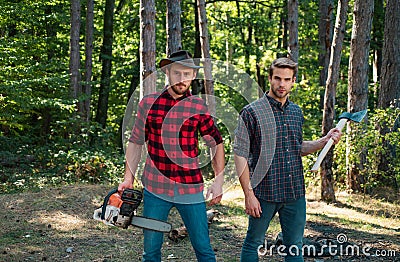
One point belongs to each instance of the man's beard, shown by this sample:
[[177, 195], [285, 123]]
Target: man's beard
[[277, 94], [179, 91]]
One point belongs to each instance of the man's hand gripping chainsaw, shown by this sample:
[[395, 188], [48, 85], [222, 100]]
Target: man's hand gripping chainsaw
[[120, 210]]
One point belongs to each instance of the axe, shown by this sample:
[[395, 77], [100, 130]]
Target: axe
[[343, 118]]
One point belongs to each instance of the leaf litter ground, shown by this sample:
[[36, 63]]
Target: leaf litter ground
[[55, 224]]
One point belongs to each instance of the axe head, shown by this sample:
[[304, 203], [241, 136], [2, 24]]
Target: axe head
[[355, 117]]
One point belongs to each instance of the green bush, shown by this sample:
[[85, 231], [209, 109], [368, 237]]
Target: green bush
[[88, 157], [374, 148]]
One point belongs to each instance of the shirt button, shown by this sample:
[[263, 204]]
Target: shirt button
[[288, 162], [287, 150]]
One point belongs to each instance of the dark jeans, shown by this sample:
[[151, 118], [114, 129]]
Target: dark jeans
[[292, 217], [193, 215]]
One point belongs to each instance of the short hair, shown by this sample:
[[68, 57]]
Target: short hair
[[283, 62]]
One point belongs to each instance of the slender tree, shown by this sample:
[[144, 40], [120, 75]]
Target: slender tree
[[51, 33], [282, 43], [74, 62], [377, 41], [358, 82], [293, 22], [205, 50], [327, 181], [174, 29], [147, 47], [325, 32], [389, 93], [87, 88], [106, 58], [197, 84]]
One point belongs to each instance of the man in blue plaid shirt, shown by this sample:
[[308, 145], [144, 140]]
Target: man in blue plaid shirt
[[268, 149]]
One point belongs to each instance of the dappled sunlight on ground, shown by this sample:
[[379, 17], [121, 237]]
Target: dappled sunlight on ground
[[59, 220], [43, 226]]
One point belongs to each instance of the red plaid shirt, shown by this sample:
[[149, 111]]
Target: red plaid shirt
[[170, 127]]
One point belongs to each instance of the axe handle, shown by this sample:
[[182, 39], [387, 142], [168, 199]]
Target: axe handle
[[327, 146]]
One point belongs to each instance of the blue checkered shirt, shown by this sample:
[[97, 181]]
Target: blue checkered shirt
[[269, 136]]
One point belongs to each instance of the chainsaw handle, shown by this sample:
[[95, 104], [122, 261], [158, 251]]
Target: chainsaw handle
[[103, 208], [327, 146]]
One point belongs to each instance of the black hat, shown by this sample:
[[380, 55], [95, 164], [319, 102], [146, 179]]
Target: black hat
[[182, 57]]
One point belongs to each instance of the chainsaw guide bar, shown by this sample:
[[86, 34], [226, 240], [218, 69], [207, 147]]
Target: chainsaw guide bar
[[151, 224]]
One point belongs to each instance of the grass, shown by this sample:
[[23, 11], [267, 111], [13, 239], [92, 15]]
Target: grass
[[55, 224]]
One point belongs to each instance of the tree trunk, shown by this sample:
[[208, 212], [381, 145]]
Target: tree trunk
[[106, 58], [228, 45], [74, 62], [358, 82], [282, 43], [87, 88], [327, 181], [147, 47], [378, 28], [293, 22], [260, 76], [325, 32], [205, 50], [197, 85], [174, 29], [51, 32], [389, 92]]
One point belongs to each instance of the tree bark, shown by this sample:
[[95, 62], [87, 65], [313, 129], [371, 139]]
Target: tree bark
[[327, 181], [147, 47], [106, 58], [74, 62], [325, 32], [197, 84], [378, 28], [389, 92], [293, 22], [282, 43], [174, 28], [205, 50], [358, 83], [87, 88]]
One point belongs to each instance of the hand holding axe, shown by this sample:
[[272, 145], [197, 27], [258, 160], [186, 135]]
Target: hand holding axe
[[343, 118]]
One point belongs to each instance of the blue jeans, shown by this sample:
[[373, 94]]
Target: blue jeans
[[193, 215], [292, 217]]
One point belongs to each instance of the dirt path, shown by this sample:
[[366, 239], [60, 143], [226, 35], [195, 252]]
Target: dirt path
[[56, 224]]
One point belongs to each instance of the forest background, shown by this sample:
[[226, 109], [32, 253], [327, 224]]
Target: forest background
[[52, 133]]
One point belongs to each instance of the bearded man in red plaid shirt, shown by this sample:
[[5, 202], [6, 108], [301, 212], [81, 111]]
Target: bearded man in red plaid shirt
[[170, 122]]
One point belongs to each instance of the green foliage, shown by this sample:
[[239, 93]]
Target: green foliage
[[43, 141], [90, 157], [369, 149]]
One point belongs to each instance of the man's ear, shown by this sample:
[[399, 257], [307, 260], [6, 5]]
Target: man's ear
[[194, 74], [294, 79]]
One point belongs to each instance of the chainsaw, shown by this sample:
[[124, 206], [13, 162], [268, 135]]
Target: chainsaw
[[120, 210]]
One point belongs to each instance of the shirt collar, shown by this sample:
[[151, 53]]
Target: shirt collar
[[277, 103]]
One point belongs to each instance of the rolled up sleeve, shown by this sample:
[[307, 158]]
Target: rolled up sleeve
[[243, 132]]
